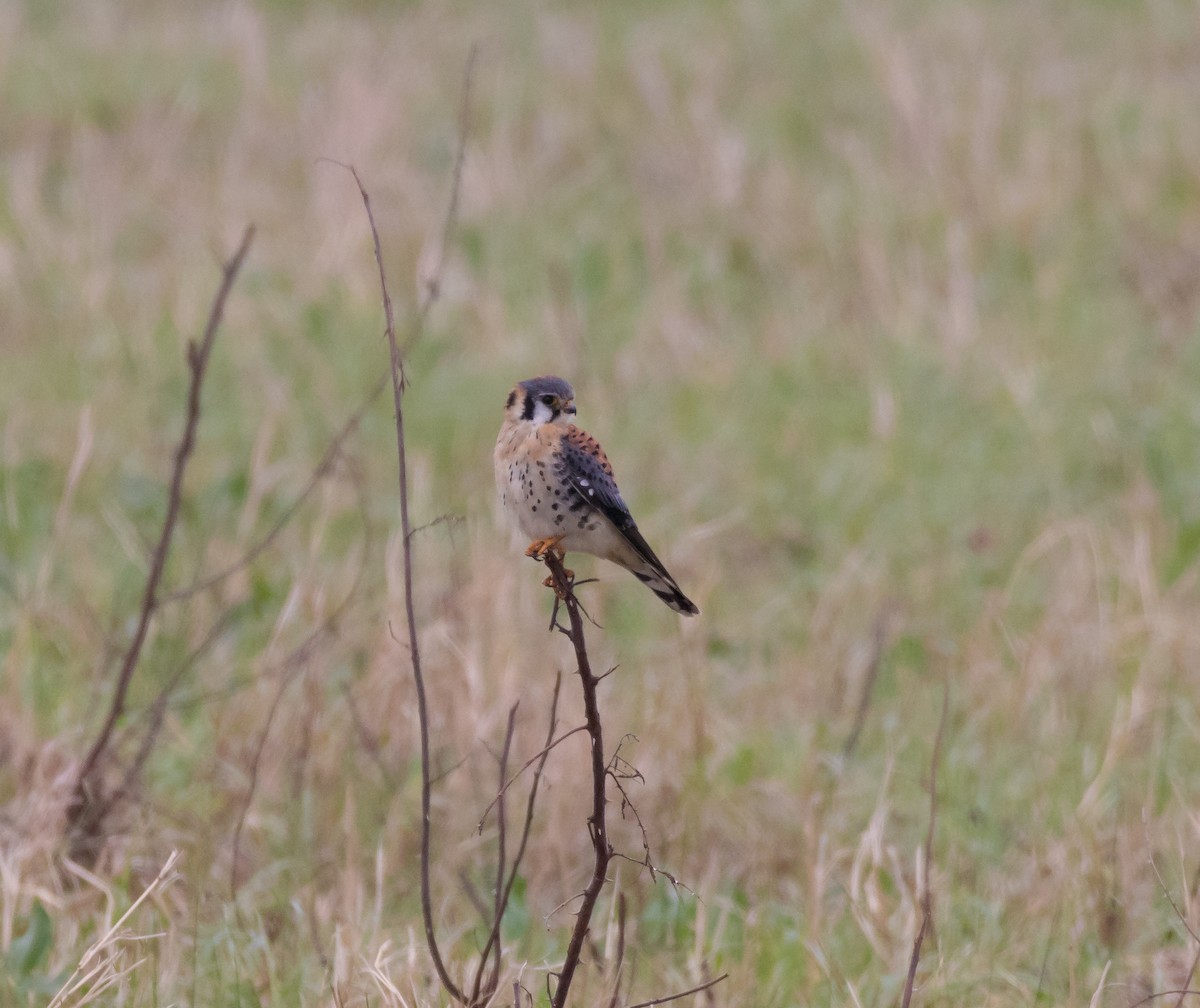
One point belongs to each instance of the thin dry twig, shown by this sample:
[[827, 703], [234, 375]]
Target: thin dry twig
[[332, 451], [433, 285], [158, 710], [1181, 991], [682, 994], [502, 903], [1171, 899], [525, 766], [878, 641], [926, 892], [297, 658], [398, 382], [414, 650], [501, 854], [619, 959], [89, 808], [370, 742], [1178, 913]]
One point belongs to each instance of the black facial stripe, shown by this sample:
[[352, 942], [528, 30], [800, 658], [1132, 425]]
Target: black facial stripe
[[527, 412], [512, 398]]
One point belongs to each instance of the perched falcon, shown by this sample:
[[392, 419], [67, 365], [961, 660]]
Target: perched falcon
[[557, 486]]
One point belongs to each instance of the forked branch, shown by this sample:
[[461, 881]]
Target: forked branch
[[89, 805]]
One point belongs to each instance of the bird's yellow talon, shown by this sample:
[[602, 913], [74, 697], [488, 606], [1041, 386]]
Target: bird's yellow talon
[[540, 547]]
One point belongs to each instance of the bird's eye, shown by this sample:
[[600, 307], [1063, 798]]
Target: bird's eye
[[548, 400]]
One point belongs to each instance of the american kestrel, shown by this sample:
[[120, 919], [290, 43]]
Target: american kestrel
[[556, 484]]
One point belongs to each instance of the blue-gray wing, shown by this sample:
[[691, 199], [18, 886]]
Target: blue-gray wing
[[591, 477]]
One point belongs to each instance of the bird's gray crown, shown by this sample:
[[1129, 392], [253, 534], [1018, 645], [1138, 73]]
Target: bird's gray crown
[[548, 384]]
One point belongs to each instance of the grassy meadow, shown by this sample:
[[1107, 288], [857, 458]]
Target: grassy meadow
[[887, 315]]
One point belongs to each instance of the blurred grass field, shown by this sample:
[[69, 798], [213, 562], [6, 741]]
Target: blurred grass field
[[887, 315]]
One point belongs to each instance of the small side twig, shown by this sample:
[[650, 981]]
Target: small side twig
[[433, 285], [682, 994], [527, 764], [1181, 991], [1162, 884], [878, 641], [89, 807], [322, 468], [297, 658]]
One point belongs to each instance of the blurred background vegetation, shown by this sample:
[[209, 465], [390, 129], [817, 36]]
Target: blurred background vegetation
[[887, 315]]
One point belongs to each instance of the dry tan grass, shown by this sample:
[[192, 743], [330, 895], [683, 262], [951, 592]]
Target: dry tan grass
[[885, 316]]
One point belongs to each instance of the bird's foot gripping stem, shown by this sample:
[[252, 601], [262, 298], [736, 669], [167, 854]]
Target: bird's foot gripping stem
[[540, 547]]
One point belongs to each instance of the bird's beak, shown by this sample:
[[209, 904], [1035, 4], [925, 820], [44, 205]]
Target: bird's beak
[[569, 407]]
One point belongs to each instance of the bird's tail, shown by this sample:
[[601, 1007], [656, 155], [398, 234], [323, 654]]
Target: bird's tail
[[663, 585]]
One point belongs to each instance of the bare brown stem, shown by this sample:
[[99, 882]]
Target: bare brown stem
[[501, 855], [414, 649], [926, 891], [429, 296], [485, 991], [87, 810], [602, 851]]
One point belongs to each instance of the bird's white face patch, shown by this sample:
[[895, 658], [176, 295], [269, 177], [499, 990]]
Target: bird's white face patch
[[543, 412]]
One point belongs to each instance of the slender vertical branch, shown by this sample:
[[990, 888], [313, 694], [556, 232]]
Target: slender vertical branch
[[399, 381], [501, 853], [878, 643], [410, 617], [88, 807], [926, 891], [602, 851], [433, 285]]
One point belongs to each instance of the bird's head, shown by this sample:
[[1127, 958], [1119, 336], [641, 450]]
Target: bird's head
[[541, 400]]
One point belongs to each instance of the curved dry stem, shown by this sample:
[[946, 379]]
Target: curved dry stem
[[88, 808], [398, 384]]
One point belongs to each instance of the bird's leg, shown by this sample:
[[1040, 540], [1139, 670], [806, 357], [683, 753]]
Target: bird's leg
[[540, 547]]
